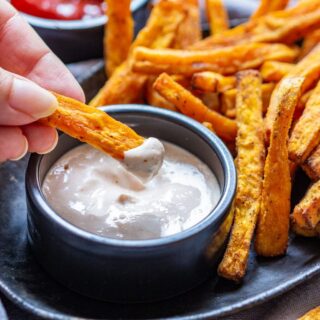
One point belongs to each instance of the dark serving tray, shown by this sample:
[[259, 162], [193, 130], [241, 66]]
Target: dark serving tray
[[24, 282]]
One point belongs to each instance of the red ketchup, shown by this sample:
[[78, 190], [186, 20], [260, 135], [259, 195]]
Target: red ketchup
[[61, 9]]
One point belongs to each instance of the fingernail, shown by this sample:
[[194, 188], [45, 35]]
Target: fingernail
[[53, 145], [25, 150], [31, 99]]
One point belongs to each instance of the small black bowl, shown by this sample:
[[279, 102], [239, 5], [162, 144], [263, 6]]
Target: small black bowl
[[126, 270], [79, 40]]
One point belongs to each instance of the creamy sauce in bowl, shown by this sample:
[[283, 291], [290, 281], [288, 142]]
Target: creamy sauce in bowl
[[118, 199]]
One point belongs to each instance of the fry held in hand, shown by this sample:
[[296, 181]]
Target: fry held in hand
[[306, 214], [93, 126], [118, 33], [191, 106], [273, 222], [305, 135], [224, 60], [249, 163], [217, 16]]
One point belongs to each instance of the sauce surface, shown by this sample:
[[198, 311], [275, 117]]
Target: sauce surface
[[99, 194], [61, 9]]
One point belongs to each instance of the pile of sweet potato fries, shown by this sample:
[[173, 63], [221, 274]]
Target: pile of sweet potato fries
[[255, 85]]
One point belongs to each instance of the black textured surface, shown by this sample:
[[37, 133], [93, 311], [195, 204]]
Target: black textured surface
[[25, 283]]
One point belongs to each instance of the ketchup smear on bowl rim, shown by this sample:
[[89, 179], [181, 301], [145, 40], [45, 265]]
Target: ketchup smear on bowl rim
[[61, 9]]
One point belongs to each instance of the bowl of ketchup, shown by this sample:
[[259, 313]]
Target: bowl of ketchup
[[73, 29]]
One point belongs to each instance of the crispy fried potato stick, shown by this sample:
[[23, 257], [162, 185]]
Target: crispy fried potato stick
[[228, 100], [267, 6], [126, 86], [249, 162], [305, 135], [224, 60], [217, 16], [93, 126], [281, 26], [155, 99], [312, 165], [211, 82], [274, 71], [189, 30], [208, 125], [273, 223], [309, 70], [311, 40], [306, 214], [191, 106], [118, 33], [314, 314]]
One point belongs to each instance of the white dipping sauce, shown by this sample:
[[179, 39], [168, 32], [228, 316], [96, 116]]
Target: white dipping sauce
[[99, 194]]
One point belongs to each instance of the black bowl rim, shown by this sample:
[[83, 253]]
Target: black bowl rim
[[39, 22], [216, 216]]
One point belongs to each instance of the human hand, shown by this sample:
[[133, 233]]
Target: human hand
[[27, 68]]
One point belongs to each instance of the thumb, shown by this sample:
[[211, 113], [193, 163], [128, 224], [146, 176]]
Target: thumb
[[23, 101]]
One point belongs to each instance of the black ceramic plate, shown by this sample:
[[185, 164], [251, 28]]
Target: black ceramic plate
[[26, 284]]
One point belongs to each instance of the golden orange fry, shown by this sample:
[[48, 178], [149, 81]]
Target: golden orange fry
[[267, 6], [125, 86], [217, 16], [211, 81], [313, 314], [306, 214], [118, 33], [310, 41], [312, 165], [274, 71], [191, 106], [249, 163], [228, 100], [189, 30], [224, 60], [306, 133], [309, 70], [273, 223], [281, 26], [93, 126]]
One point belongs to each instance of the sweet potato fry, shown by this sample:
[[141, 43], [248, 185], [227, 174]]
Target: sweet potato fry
[[312, 165], [274, 71], [306, 214], [224, 60], [273, 223], [249, 162], [309, 70], [217, 16], [211, 100], [228, 100], [93, 126], [310, 41], [208, 81], [285, 26], [267, 6], [118, 33], [313, 314], [155, 99], [190, 105], [126, 86], [306, 133], [189, 30]]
